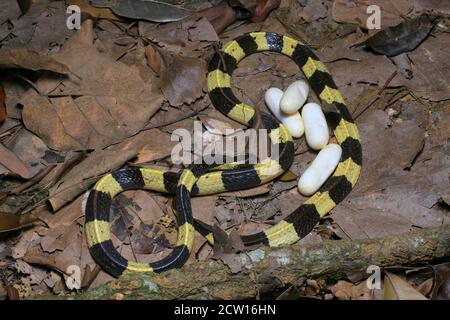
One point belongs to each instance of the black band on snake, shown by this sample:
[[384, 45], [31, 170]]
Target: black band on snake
[[196, 180]]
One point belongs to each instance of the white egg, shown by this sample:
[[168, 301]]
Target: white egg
[[293, 122], [316, 128], [320, 169], [294, 97]]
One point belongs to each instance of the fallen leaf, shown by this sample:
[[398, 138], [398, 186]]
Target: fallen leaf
[[24, 5], [69, 249], [288, 176], [66, 215], [344, 290], [177, 73], [356, 11], [153, 59], [29, 149], [263, 8], [23, 58], [85, 174], [186, 37], [109, 103], [395, 288], [431, 80], [41, 29], [10, 161], [12, 221], [426, 287], [256, 191], [401, 38], [432, 6], [218, 126], [102, 13], [144, 9], [150, 145], [441, 288], [393, 193]]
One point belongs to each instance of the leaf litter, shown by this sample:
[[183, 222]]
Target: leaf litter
[[113, 92]]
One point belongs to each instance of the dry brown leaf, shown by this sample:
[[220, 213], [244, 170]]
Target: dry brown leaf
[[24, 58], [182, 78], [441, 288], [388, 199], [431, 80], [106, 102], [65, 216], [186, 36], [435, 6], [150, 145], [10, 161], [288, 176], [395, 288], [153, 59], [29, 149], [65, 252], [102, 13], [355, 12], [85, 174], [12, 221], [219, 126], [344, 290]]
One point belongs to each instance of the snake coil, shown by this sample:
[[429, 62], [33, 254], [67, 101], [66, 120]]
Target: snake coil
[[197, 180]]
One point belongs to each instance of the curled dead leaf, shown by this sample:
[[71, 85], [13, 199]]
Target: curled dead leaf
[[401, 38], [182, 78]]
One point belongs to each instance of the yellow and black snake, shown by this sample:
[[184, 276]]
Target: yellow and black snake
[[196, 180]]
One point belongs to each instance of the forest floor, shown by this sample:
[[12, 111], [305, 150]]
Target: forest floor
[[76, 104]]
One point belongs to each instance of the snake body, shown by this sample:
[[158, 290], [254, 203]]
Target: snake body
[[197, 180]]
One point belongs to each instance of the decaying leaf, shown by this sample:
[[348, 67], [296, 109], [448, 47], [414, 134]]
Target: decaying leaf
[[187, 36], [355, 11], [102, 13], [10, 161], [288, 176], [143, 9], [153, 59], [29, 149], [84, 175], [12, 221], [441, 287], [24, 58], [389, 199], [395, 288], [106, 102], [401, 38], [177, 73], [344, 290]]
